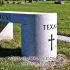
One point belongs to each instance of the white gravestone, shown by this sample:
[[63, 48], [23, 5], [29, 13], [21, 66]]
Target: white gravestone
[[7, 31]]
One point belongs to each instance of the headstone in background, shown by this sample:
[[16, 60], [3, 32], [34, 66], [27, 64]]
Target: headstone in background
[[59, 2], [6, 31], [30, 1]]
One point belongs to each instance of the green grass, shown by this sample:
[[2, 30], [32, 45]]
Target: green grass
[[13, 47], [10, 64], [64, 48], [63, 12]]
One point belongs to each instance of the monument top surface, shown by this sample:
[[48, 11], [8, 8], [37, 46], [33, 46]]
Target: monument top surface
[[35, 13], [21, 17]]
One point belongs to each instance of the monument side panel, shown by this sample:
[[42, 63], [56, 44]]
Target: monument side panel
[[46, 35]]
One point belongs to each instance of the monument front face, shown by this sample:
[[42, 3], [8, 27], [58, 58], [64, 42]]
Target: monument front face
[[46, 35]]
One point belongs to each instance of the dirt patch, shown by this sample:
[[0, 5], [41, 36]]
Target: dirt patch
[[61, 60]]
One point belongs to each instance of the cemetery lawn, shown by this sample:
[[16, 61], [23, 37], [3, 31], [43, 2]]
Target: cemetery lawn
[[13, 47], [63, 12]]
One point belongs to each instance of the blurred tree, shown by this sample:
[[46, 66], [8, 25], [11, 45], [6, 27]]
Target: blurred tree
[[1, 2]]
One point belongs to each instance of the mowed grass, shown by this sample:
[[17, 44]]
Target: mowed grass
[[63, 12], [13, 47], [64, 48], [12, 64]]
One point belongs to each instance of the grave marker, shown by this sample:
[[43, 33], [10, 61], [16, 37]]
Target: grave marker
[[39, 32]]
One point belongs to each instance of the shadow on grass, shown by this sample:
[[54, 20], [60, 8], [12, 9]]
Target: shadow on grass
[[2, 26], [64, 34], [4, 52]]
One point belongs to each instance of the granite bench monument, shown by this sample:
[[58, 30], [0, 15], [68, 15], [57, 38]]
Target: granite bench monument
[[38, 32]]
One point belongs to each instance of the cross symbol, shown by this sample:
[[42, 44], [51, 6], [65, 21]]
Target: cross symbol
[[51, 41]]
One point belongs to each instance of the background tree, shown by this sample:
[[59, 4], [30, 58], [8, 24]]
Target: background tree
[[1, 2]]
